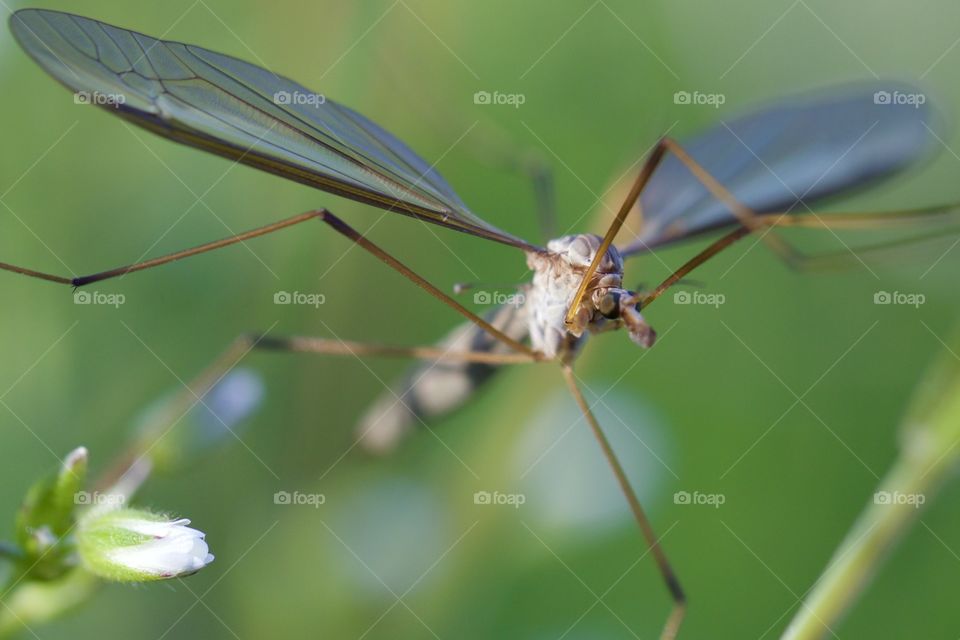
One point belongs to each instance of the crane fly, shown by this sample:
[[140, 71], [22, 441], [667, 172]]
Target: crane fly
[[746, 176]]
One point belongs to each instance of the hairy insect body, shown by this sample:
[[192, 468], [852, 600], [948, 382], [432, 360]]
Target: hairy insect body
[[606, 305], [433, 389]]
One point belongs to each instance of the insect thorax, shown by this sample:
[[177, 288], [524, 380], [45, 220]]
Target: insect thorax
[[557, 276]]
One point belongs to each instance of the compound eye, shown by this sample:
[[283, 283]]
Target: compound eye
[[609, 306], [579, 251]]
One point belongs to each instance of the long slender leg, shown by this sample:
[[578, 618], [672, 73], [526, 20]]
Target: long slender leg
[[197, 389], [309, 344], [936, 219], [245, 343], [322, 214], [135, 457], [341, 227], [853, 256], [765, 223], [746, 216], [672, 624], [156, 262], [35, 274], [713, 249], [928, 224], [649, 166]]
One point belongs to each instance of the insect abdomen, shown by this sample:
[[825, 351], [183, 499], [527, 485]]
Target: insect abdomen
[[432, 389]]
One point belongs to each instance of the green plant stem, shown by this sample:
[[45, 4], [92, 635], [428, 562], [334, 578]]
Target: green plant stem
[[34, 603], [873, 535], [930, 450]]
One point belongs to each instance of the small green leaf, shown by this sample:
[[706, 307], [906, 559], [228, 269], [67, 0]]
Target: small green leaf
[[47, 516]]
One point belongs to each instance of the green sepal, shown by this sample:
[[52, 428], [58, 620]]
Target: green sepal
[[47, 517], [101, 532]]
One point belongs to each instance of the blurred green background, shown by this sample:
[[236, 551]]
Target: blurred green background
[[711, 408]]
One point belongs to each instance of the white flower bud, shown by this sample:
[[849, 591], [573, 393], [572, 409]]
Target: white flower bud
[[131, 545]]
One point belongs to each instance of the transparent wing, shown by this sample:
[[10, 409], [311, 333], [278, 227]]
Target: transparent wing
[[224, 105], [788, 155]]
